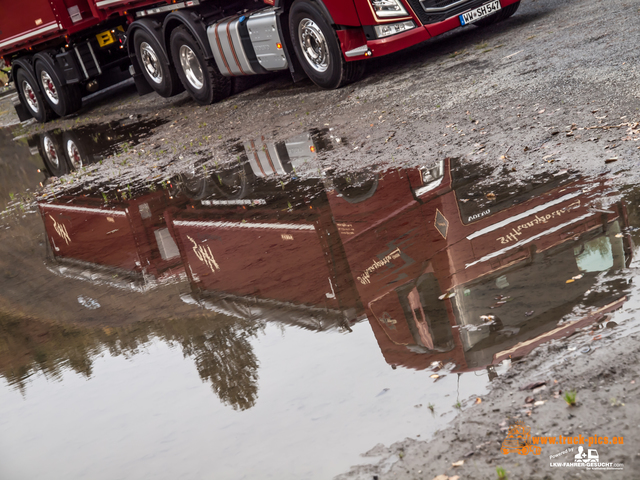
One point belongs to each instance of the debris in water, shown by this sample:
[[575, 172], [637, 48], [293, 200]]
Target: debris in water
[[90, 303], [531, 386]]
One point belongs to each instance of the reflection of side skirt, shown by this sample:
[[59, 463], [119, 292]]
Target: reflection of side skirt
[[252, 308], [100, 275]]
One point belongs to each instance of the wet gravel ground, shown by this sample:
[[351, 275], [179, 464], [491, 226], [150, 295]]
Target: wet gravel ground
[[555, 87], [600, 368]]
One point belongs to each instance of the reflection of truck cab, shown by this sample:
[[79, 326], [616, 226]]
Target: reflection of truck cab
[[463, 277], [125, 243]]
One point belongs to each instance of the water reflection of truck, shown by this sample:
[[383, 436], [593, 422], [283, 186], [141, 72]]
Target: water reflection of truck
[[275, 253], [448, 275], [123, 242], [64, 151]]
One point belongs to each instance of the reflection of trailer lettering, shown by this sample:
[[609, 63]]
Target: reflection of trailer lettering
[[126, 244], [267, 259]]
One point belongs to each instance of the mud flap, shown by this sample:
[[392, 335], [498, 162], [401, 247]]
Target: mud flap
[[142, 86], [21, 110]]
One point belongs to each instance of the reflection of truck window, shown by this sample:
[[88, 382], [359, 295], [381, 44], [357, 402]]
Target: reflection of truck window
[[601, 253], [473, 202], [426, 316]]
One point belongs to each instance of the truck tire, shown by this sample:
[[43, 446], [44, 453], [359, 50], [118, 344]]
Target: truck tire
[[161, 76], [52, 155], [63, 99], [503, 14], [317, 47], [31, 96], [73, 150], [200, 78]]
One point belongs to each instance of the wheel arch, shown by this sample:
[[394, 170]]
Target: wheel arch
[[286, 7], [193, 22], [153, 28], [25, 63], [47, 58]]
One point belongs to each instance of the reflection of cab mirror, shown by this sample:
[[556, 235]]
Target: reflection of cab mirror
[[434, 173]]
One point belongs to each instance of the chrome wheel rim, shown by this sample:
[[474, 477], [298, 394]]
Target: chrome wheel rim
[[191, 67], [314, 45], [30, 96], [74, 154], [151, 63], [50, 151], [49, 88]]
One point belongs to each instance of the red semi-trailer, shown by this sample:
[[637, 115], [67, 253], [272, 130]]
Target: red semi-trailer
[[60, 49]]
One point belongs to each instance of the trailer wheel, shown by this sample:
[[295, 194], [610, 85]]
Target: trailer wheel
[[200, 78], [52, 155], [503, 14], [31, 96], [318, 49], [63, 99], [161, 76]]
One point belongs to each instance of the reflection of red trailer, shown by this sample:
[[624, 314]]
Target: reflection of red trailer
[[463, 285], [128, 237], [260, 252]]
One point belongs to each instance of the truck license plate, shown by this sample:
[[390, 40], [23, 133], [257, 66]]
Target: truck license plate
[[480, 12]]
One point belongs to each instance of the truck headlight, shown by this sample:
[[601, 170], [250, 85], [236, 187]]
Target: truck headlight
[[393, 28], [388, 8]]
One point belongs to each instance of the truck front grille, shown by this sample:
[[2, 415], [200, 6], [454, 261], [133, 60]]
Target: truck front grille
[[434, 11]]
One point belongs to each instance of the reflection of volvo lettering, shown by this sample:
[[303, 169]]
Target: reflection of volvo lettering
[[469, 298], [478, 215]]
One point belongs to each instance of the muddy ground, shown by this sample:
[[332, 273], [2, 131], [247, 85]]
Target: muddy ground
[[555, 87], [599, 365]]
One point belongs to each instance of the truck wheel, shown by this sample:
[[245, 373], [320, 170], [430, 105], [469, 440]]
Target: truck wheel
[[31, 96], [63, 99], [503, 14], [161, 76], [52, 155], [318, 49], [200, 78]]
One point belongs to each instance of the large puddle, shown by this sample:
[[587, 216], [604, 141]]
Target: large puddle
[[255, 315]]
